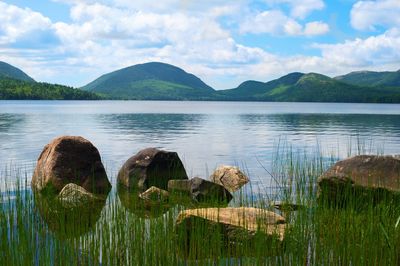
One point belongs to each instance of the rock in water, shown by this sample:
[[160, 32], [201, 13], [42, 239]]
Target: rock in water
[[203, 190], [154, 194], [151, 167], [230, 177], [200, 190], [70, 159], [361, 175], [72, 196]]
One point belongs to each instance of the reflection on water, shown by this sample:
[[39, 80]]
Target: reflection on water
[[205, 134], [66, 222]]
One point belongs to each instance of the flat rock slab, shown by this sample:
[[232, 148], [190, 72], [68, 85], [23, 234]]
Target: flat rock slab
[[363, 175], [70, 159], [230, 177], [235, 220], [151, 167]]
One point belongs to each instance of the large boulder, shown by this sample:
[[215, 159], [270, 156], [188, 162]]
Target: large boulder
[[200, 190], [151, 167], [230, 177], [360, 176], [241, 226], [70, 159]]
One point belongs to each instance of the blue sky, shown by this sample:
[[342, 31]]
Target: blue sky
[[72, 42]]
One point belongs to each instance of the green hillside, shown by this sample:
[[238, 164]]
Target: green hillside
[[155, 81], [12, 89], [9, 71], [371, 78], [312, 87]]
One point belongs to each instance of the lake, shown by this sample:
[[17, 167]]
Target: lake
[[205, 134]]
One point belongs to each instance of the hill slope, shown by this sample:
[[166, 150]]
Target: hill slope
[[13, 89], [155, 81], [9, 71], [312, 87], [371, 78]]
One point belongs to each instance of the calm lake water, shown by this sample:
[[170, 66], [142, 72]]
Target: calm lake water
[[205, 134]]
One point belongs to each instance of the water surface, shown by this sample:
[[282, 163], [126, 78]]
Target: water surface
[[205, 134]]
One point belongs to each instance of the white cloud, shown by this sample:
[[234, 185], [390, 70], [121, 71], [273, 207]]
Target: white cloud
[[16, 22], [366, 15], [300, 8], [316, 28], [381, 50], [277, 23]]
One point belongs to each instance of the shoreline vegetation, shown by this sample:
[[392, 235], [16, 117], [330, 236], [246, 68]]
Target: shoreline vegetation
[[160, 81], [122, 230]]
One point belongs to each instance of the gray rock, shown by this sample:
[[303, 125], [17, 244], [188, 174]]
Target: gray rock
[[155, 194], [230, 177], [151, 167], [179, 186], [200, 190]]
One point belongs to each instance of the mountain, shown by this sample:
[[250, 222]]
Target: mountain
[[371, 78], [311, 87], [151, 81], [9, 71], [14, 89]]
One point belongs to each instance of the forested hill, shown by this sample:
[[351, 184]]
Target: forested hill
[[151, 81], [9, 71], [12, 89]]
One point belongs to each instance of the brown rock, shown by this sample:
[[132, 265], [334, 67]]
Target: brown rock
[[151, 167], [237, 223], [70, 159], [230, 177], [363, 173], [154, 194]]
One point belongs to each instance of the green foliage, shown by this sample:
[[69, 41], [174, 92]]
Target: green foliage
[[156, 81], [8, 71], [313, 87], [12, 89], [371, 78]]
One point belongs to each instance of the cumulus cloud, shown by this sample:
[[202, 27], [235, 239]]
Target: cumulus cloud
[[16, 22], [366, 15], [300, 8], [381, 50], [277, 23]]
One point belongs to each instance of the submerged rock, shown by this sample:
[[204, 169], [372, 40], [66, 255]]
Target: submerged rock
[[200, 190], [65, 218], [363, 175], [151, 167], [140, 207], [154, 194], [73, 195], [70, 159], [230, 177]]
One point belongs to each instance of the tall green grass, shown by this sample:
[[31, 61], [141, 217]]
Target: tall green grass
[[126, 231]]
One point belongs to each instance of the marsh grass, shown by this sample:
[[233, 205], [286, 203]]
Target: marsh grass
[[125, 231]]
